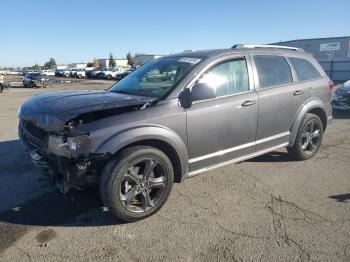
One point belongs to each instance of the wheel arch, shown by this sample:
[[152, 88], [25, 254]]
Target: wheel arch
[[314, 106], [159, 137]]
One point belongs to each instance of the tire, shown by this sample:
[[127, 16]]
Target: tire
[[32, 84], [298, 151], [24, 84], [146, 198], [108, 77]]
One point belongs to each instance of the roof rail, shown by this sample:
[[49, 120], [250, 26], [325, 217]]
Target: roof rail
[[267, 46]]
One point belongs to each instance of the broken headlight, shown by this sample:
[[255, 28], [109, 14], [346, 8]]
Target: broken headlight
[[78, 142], [69, 146]]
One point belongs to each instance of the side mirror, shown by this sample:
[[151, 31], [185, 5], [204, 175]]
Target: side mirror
[[202, 91], [185, 98]]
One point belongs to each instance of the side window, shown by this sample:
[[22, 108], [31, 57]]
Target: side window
[[305, 70], [272, 70], [229, 77]]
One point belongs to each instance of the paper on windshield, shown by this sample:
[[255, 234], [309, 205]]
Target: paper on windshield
[[190, 60]]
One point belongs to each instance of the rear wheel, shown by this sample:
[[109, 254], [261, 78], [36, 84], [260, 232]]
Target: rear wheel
[[309, 138], [137, 183]]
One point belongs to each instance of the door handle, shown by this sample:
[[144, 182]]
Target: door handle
[[248, 103], [298, 93]]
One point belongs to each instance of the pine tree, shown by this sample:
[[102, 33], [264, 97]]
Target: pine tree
[[130, 59], [111, 61]]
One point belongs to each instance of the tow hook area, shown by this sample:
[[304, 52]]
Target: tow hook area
[[38, 160]]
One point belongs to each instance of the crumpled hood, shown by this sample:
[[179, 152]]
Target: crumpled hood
[[52, 110]]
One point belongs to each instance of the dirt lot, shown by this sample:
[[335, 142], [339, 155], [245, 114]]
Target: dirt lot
[[267, 209]]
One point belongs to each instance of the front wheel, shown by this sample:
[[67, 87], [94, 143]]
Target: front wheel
[[309, 138], [137, 183]]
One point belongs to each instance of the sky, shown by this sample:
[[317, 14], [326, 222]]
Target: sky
[[77, 31]]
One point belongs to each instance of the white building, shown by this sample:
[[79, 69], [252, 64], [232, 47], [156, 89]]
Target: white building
[[119, 62]]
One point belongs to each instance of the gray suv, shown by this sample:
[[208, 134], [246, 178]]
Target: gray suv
[[176, 117]]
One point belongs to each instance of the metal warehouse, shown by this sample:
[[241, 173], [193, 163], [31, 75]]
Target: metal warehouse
[[332, 53]]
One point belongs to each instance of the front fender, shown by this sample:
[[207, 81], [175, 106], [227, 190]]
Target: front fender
[[129, 136], [307, 107]]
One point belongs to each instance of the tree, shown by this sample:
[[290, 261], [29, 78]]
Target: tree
[[50, 63], [111, 61], [36, 67], [130, 59]]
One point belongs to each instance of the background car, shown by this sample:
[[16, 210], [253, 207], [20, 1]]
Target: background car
[[94, 73], [59, 72], [66, 72], [35, 80], [12, 72], [73, 72], [111, 73], [80, 73], [126, 72], [48, 72], [341, 97]]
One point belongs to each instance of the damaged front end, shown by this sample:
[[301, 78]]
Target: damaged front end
[[66, 160], [49, 127]]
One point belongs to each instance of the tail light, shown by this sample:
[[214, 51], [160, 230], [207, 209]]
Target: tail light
[[330, 85]]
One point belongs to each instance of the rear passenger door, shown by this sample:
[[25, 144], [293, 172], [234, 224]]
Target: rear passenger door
[[279, 99]]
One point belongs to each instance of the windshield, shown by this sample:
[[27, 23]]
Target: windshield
[[157, 77]]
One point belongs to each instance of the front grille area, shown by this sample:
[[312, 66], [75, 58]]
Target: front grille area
[[33, 135]]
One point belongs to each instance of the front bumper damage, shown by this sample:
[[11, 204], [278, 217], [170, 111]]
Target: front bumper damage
[[68, 161]]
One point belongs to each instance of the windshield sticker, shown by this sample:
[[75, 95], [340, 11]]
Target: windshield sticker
[[191, 60]]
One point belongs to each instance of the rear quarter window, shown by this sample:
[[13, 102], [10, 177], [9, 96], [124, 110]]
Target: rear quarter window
[[304, 69], [272, 70]]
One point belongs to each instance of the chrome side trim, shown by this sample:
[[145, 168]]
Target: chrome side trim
[[221, 152], [239, 159], [225, 151], [267, 139]]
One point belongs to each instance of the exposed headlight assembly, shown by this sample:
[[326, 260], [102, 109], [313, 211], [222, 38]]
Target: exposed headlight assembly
[[69, 146]]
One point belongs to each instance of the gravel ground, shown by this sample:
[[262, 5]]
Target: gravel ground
[[266, 209]]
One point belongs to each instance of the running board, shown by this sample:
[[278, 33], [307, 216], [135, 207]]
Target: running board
[[237, 160]]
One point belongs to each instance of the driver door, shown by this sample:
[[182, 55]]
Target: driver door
[[223, 128]]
